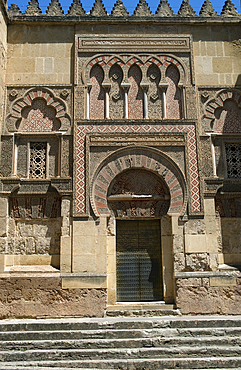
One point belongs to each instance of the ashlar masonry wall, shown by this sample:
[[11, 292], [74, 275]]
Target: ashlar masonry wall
[[66, 265]]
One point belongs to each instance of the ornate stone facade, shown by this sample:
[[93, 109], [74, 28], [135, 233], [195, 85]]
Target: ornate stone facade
[[120, 157]]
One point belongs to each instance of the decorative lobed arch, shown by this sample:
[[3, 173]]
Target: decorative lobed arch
[[26, 101], [137, 158], [218, 102], [162, 61]]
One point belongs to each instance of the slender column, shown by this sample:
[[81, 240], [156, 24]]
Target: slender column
[[164, 100], [213, 158], [107, 100], [59, 155], [88, 101], [145, 100], [126, 88], [15, 154], [183, 113]]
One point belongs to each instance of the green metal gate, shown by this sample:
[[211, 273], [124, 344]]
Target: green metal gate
[[138, 261]]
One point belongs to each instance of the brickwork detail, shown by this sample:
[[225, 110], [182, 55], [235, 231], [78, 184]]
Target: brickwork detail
[[82, 130], [136, 158], [97, 93], [223, 113], [173, 94], [135, 93]]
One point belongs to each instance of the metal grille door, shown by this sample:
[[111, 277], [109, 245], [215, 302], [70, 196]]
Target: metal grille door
[[138, 261]]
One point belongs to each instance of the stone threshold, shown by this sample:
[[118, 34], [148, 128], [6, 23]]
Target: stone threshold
[[160, 305], [144, 309], [30, 271]]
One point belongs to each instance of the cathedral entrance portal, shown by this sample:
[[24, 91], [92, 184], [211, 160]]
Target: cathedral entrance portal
[[138, 199], [138, 261]]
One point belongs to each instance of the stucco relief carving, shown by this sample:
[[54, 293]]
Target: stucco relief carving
[[38, 110], [146, 85], [138, 193], [222, 114]]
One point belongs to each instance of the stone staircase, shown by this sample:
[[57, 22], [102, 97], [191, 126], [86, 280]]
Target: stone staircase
[[122, 343]]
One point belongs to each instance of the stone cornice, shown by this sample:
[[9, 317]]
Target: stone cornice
[[73, 19]]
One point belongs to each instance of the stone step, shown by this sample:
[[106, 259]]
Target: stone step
[[157, 342], [142, 313], [120, 323], [29, 367], [119, 353], [117, 334], [210, 363]]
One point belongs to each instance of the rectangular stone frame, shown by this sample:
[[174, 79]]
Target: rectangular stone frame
[[85, 128], [167, 262]]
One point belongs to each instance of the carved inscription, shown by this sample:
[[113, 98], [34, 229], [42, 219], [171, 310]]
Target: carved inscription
[[120, 43]]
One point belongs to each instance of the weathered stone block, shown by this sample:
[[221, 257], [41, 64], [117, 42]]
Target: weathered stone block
[[222, 281], [195, 243], [195, 227], [179, 262], [197, 262], [3, 227], [178, 245], [213, 261], [89, 282], [3, 207], [45, 297], [3, 245], [212, 246]]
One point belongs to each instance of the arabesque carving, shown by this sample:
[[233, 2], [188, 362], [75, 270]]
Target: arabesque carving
[[21, 110]]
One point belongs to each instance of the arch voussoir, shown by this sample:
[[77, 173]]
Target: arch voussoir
[[135, 158]]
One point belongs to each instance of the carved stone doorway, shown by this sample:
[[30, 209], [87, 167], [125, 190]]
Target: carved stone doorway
[[138, 261], [138, 198]]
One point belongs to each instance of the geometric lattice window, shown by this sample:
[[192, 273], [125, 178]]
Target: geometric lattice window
[[233, 159], [37, 166]]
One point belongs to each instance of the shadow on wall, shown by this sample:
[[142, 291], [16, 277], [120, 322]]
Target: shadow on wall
[[238, 82]]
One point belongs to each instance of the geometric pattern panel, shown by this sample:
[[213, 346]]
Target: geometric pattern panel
[[39, 118], [136, 158], [233, 160], [37, 165], [189, 129]]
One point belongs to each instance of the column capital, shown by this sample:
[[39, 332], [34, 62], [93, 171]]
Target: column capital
[[125, 86]]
